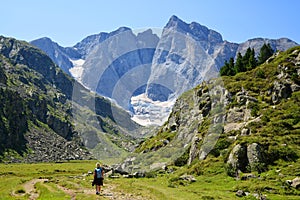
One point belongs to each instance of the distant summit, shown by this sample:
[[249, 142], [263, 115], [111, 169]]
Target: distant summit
[[120, 64], [198, 31]]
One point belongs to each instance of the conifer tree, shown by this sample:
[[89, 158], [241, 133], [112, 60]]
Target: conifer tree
[[228, 68], [252, 62], [239, 66], [266, 52]]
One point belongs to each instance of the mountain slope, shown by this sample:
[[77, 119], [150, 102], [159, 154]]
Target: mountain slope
[[249, 121], [60, 55], [46, 115]]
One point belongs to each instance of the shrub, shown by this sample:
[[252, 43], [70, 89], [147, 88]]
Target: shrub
[[260, 73], [150, 174], [182, 160], [281, 152], [221, 144], [230, 170]]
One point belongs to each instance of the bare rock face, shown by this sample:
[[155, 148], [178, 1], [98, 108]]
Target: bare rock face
[[244, 158], [175, 64], [121, 65], [58, 54]]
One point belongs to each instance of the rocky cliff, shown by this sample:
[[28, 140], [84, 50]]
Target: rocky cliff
[[187, 54], [45, 115]]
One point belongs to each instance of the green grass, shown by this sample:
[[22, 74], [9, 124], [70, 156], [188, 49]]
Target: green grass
[[68, 175], [159, 188], [212, 182]]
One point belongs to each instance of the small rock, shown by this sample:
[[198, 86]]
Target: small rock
[[90, 172], [296, 183], [158, 166], [245, 132], [166, 142], [263, 197], [189, 178], [138, 174], [116, 176], [289, 182], [240, 193]]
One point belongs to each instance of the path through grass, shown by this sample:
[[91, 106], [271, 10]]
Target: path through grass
[[71, 180]]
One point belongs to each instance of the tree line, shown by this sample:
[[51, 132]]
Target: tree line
[[246, 62]]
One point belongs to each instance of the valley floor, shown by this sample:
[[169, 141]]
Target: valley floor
[[72, 180]]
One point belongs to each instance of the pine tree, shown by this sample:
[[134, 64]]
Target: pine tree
[[225, 69], [231, 67], [246, 58], [266, 52], [239, 66], [228, 68], [252, 62]]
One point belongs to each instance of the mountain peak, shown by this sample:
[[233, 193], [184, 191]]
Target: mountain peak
[[174, 21], [120, 30], [43, 39], [198, 31]]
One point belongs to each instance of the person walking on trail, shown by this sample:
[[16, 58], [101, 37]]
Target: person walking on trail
[[98, 177]]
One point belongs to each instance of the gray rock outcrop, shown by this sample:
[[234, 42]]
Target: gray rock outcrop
[[245, 158]]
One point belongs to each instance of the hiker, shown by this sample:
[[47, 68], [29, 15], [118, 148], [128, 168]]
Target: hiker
[[98, 178]]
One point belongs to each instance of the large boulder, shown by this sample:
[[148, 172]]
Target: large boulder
[[255, 157], [245, 158], [237, 159]]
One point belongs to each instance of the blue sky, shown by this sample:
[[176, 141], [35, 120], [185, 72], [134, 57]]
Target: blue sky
[[67, 22]]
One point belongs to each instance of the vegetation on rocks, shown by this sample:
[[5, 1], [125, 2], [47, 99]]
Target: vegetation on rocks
[[259, 141]]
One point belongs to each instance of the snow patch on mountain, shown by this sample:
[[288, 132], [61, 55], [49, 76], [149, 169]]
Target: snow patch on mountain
[[148, 112], [77, 69]]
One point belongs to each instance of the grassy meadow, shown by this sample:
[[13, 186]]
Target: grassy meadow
[[70, 180]]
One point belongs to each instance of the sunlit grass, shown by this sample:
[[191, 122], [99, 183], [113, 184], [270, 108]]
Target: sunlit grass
[[212, 182]]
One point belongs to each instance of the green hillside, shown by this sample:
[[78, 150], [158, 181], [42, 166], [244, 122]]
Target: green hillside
[[246, 126], [45, 115]]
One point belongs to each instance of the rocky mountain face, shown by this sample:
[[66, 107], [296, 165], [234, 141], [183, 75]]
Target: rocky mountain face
[[187, 54], [45, 115], [246, 121], [121, 65], [60, 55]]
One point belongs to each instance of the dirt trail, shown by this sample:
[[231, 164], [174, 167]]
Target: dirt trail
[[29, 188], [109, 191]]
